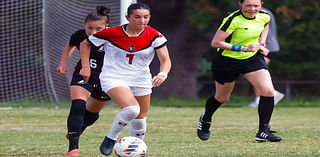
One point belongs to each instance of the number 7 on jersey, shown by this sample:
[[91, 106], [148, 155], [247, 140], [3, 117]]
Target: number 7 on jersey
[[130, 56]]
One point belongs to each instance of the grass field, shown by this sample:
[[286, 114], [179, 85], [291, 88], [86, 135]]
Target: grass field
[[40, 131]]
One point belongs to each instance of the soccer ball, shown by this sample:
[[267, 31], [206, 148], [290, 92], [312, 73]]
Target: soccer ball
[[130, 147]]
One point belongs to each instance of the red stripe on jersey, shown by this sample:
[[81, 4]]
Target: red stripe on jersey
[[119, 38]]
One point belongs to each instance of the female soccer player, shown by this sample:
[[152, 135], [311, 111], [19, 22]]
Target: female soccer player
[[81, 91], [125, 75], [240, 40]]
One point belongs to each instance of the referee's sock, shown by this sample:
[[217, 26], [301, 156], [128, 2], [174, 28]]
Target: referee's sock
[[265, 109], [211, 106], [75, 122]]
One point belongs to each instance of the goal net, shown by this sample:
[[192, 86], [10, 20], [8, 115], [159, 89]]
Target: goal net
[[32, 37]]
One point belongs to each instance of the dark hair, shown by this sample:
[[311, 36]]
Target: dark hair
[[137, 6], [241, 1], [101, 13]]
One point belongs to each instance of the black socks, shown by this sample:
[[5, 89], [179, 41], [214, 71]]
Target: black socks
[[89, 118], [75, 122], [211, 106], [265, 109]]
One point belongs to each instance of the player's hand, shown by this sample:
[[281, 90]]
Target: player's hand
[[85, 73], [62, 70], [263, 50], [158, 80], [254, 47]]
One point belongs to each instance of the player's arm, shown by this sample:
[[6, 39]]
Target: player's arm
[[165, 66], [263, 39], [67, 52], [218, 41], [85, 55]]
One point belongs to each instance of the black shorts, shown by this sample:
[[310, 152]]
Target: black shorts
[[95, 89], [226, 69]]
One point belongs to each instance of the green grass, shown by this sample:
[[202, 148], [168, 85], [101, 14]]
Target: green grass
[[235, 101], [29, 131]]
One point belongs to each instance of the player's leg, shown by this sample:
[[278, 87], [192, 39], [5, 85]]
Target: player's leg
[[277, 95], [222, 94], [93, 108], [138, 126], [96, 102], [261, 80], [124, 98], [79, 96]]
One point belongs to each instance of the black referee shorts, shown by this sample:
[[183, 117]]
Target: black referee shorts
[[226, 69], [95, 89]]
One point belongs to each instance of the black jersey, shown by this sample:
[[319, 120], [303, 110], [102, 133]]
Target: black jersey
[[96, 56]]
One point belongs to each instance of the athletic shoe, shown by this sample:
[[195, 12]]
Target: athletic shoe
[[74, 152], [267, 135], [203, 129], [277, 97], [253, 105], [107, 146]]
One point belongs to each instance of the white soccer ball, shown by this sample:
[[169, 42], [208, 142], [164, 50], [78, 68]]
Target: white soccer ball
[[130, 147]]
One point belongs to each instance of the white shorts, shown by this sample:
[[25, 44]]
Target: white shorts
[[137, 91]]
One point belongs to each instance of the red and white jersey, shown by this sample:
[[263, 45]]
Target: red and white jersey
[[127, 59]]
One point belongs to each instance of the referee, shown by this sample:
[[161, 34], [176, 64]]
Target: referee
[[240, 43]]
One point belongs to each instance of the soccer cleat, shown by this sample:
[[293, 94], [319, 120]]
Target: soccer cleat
[[107, 146], [253, 105], [203, 129], [74, 152], [267, 135]]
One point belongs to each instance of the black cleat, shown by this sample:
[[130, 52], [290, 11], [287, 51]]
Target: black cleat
[[203, 129], [267, 135], [107, 146]]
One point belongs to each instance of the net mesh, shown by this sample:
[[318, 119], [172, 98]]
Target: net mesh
[[32, 37], [21, 63]]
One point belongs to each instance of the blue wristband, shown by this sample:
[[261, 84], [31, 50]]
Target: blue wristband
[[236, 47]]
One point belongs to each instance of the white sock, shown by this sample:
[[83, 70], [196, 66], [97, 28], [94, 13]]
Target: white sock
[[257, 99], [126, 115], [138, 128]]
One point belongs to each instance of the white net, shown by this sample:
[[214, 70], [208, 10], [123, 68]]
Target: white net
[[32, 37], [21, 63]]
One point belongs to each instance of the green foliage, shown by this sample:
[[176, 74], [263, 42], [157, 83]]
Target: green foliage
[[204, 14], [298, 36]]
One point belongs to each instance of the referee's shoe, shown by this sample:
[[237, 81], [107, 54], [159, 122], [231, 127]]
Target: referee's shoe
[[203, 129], [267, 135]]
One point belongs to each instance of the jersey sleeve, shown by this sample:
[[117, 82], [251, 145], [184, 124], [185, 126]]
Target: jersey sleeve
[[99, 39], [76, 38], [160, 41], [227, 25]]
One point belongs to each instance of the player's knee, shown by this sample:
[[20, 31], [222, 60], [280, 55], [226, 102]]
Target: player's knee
[[267, 92], [222, 99], [131, 111], [78, 107]]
